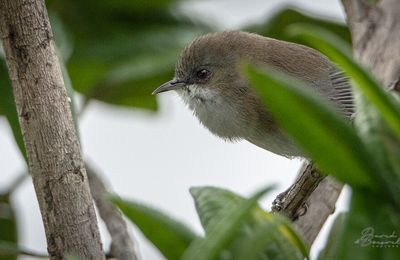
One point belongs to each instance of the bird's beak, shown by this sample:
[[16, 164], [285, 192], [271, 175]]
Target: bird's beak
[[170, 85]]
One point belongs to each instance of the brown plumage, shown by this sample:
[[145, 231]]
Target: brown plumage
[[208, 79]]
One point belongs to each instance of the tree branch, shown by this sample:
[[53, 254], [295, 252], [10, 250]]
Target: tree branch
[[376, 37], [307, 202], [53, 149], [320, 205], [122, 246]]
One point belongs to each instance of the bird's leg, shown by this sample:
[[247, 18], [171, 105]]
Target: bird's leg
[[292, 203], [279, 200]]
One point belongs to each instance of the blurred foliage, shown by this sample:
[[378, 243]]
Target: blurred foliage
[[8, 108], [234, 227], [8, 227], [170, 236], [330, 250], [233, 224], [276, 25], [121, 50]]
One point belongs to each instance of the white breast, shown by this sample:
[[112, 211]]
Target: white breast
[[277, 143], [220, 117], [224, 120]]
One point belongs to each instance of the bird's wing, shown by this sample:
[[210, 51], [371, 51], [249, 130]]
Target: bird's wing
[[342, 92]]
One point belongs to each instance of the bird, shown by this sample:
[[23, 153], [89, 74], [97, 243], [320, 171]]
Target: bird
[[209, 80]]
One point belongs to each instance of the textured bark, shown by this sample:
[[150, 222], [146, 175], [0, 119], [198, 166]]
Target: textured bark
[[320, 205], [292, 202], [375, 29], [122, 246], [309, 201], [53, 149]]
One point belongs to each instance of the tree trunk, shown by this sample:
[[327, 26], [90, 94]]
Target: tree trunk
[[52, 146]]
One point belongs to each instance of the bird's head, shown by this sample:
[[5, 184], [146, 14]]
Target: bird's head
[[207, 69]]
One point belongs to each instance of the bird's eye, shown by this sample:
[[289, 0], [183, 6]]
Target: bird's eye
[[202, 74]]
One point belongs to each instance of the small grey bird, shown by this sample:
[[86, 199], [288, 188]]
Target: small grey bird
[[208, 78]]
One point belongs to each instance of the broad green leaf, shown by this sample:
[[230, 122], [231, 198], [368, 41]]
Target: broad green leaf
[[8, 108], [340, 53], [276, 25], [316, 127], [371, 232], [122, 50], [8, 227], [268, 242], [223, 231], [331, 248], [171, 237], [211, 201], [212, 205]]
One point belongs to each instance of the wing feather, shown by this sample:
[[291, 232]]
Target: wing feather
[[342, 93]]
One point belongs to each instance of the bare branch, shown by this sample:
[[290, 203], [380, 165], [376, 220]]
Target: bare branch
[[291, 202], [122, 246], [357, 8], [376, 38], [307, 202], [320, 205]]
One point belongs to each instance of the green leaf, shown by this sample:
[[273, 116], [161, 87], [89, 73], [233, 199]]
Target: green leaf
[[226, 224], [8, 227], [325, 136], [211, 201], [214, 204], [383, 143], [276, 25], [8, 108], [171, 237], [340, 53], [222, 231], [268, 242], [131, 84], [331, 248], [122, 50], [8, 251]]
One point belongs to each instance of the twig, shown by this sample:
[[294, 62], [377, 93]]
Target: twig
[[122, 246]]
